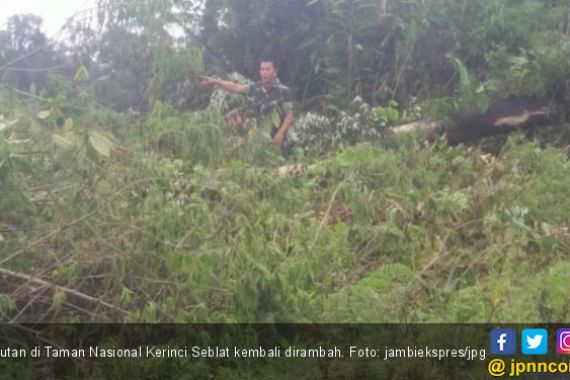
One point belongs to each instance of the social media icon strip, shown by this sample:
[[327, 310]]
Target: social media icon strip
[[504, 342], [563, 341], [534, 341]]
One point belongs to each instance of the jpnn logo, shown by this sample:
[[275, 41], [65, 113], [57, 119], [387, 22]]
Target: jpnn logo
[[504, 342], [534, 341]]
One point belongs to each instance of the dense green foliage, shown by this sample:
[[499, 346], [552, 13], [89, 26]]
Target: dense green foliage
[[168, 224], [124, 196]]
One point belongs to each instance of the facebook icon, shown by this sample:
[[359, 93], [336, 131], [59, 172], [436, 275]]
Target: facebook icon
[[503, 342]]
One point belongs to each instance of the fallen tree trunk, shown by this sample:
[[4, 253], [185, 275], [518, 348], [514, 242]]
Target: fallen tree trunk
[[501, 117], [430, 126]]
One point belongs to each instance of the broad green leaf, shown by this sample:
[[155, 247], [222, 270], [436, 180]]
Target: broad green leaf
[[42, 115], [271, 120], [101, 143], [68, 125], [63, 142], [1, 238], [58, 298], [126, 296], [275, 118], [4, 124], [483, 103], [464, 80], [82, 74], [518, 61]]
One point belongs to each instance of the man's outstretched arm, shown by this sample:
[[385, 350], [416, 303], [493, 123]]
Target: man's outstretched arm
[[227, 86]]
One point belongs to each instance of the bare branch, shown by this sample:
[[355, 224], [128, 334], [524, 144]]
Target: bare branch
[[64, 289]]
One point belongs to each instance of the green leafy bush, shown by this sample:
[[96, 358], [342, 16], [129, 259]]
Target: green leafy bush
[[344, 127]]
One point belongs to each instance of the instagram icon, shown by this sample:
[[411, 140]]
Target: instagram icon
[[563, 341]]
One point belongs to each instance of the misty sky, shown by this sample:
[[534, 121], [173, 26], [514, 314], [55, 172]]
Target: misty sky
[[54, 12]]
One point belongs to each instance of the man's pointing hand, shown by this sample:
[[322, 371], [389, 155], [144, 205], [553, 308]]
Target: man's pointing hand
[[208, 81]]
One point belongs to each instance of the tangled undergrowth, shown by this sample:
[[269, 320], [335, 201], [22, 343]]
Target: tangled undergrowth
[[176, 220]]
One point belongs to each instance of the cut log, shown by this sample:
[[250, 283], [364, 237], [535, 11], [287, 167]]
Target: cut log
[[502, 117], [428, 125]]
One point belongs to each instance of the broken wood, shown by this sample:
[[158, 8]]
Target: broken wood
[[501, 117], [427, 125], [72, 292]]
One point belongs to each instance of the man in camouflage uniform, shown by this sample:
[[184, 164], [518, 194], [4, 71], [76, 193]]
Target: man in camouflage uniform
[[273, 102]]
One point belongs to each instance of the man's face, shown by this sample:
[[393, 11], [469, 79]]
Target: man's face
[[268, 73]]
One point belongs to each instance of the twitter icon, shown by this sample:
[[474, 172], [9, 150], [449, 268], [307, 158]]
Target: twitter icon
[[534, 341]]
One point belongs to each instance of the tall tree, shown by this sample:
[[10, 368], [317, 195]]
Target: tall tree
[[27, 56]]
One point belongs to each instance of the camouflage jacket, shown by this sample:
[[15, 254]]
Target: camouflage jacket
[[270, 105]]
